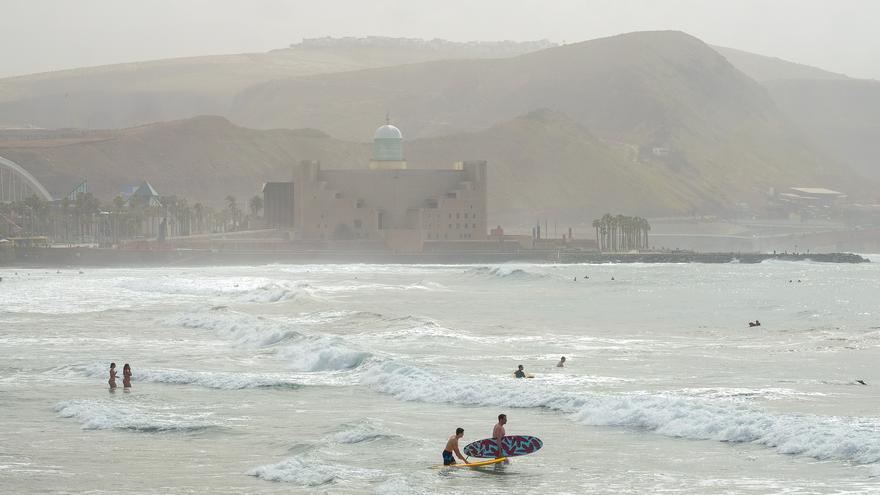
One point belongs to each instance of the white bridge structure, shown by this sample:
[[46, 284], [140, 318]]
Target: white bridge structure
[[16, 184]]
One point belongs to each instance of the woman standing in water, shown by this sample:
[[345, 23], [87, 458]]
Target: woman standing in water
[[126, 376], [112, 380]]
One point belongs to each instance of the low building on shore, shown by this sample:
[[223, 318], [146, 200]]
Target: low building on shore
[[387, 202]]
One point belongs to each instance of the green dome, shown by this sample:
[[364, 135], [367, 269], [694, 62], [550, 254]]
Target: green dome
[[388, 144]]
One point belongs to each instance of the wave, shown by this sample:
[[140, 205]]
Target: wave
[[375, 287], [258, 290], [322, 354], [771, 393], [504, 272], [118, 415], [274, 292], [242, 328], [308, 470], [674, 415], [361, 432], [302, 352]]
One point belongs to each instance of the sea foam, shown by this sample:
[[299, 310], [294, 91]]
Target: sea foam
[[307, 470], [105, 415], [674, 415]]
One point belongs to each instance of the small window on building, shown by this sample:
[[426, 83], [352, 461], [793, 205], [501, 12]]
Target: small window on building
[[450, 215], [456, 216]]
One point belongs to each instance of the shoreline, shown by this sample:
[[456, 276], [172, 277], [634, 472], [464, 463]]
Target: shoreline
[[105, 257]]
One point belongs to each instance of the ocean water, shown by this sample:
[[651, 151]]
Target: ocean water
[[349, 378]]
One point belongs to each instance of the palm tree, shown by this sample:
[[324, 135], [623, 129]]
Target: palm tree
[[200, 212], [607, 231], [620, 223], [232, 207], [256, 204], [597, 224]]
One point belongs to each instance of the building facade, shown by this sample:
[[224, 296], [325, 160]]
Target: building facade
[[278, 204], [389, 202]]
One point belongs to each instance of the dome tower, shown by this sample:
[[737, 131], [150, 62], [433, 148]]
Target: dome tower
[[388, 148]]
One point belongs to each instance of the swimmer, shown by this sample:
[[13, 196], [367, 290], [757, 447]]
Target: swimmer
[[861, 382], [519, 373], [126, 376], [561, 363], [112, 380], [452, 447]]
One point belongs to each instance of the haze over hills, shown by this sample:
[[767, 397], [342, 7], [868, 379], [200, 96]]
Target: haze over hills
[[659, 89], [542, 163], [762, 68], [651, 123], [124, 95], [198, 158], [842, 117]]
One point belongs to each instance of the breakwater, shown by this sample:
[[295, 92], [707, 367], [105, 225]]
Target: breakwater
[[80, 256]]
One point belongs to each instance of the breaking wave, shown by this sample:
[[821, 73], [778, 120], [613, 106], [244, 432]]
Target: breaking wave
[[322, 354], [301, 352], [504, 272], [240, 327], [118, 415], [245, 290], [307, 470], [669, 414]]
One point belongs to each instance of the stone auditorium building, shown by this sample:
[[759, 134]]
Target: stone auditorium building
[[387, 201]]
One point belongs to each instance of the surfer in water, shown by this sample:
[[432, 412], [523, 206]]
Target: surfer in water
[[452, 447], [498, 434], [561, 363], [519, 373], [112, 380]]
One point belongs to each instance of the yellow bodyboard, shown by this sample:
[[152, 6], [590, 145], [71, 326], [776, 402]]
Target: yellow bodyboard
[[472, 464]]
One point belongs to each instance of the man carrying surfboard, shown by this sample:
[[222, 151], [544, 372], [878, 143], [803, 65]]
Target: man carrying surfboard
[[452, 446], [498, 434]]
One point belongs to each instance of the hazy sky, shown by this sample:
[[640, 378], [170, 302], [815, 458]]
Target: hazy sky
[[43, 35]]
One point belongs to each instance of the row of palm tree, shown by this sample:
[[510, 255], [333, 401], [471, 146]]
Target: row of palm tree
[[87, 219], [617, 233]]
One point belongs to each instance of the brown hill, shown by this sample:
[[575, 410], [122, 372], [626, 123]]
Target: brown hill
[[204, 158], [124, 95], [540, 164], [664, 90], [762, 68]]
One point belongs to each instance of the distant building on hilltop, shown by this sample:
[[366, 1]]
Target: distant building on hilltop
[[387, 201]]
